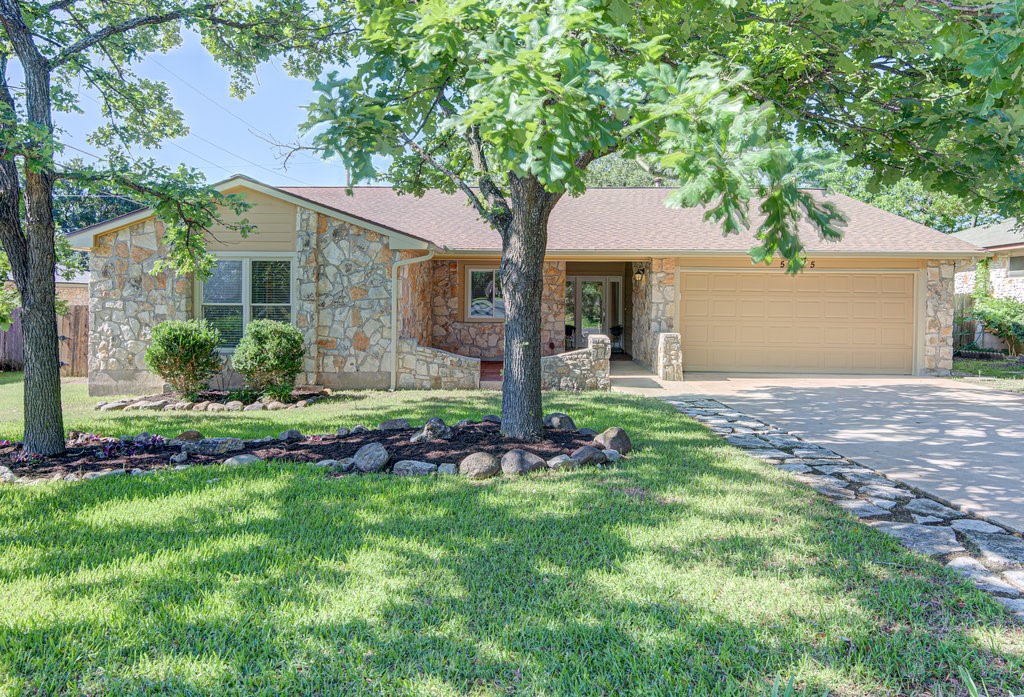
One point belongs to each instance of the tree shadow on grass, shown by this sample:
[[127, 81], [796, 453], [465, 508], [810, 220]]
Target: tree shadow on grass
[[689, 570]]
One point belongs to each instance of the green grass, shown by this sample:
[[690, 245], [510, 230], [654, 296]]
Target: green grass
[[691, 569], [1009, 375]]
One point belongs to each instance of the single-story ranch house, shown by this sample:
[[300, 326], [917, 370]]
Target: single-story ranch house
[[373, 273], [1003, 244]]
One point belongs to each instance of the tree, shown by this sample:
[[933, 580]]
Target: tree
[[57, 46], [614, 170], [905, 197], [510, 101]]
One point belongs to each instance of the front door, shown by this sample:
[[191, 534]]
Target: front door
[[593, 305]]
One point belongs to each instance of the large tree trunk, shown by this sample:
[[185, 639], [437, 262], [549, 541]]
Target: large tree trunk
[[30, 246], [522, 281]]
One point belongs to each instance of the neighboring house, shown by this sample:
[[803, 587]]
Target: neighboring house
[[72, 326], [366, 274], [1004, 244]]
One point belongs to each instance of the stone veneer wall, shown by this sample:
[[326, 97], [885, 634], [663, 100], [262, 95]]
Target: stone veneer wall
[[414, 309], [1003, 285], [654, 308], [668, 363], [582, 370], [344, 302], [486, 340], [938, 335], [126, 300], [424, 368]]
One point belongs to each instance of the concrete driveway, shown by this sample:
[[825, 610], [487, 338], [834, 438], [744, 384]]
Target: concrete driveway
[[960, 442]]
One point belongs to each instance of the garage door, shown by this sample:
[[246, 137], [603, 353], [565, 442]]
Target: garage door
[[822, 322]]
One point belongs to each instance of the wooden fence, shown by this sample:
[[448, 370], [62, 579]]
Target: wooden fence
[[73, 329]]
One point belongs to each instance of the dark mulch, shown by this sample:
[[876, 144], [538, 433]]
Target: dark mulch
[[482, 437]]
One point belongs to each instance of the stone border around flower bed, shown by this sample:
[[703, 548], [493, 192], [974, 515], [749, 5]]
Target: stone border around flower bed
[[988, 555], [171, 403], [609, 446]]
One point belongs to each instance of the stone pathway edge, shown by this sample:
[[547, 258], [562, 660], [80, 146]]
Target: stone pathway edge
[[988, 555]]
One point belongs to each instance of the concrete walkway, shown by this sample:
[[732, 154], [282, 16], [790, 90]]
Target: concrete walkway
[[959, 442]]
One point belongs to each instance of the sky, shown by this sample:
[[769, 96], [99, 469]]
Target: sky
[[227, 135]]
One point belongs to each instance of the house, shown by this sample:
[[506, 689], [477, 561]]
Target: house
[[72, 327], [1004, 246], [394, 290]]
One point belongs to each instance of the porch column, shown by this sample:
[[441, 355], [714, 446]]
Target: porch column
[[654, 308]]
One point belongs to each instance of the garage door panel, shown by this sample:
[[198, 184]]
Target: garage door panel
[[766, 321]]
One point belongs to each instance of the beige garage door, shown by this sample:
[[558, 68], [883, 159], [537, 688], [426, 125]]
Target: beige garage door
[[821, 322]]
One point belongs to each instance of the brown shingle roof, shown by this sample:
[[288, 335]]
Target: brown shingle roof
[[627, 220], [1005, 234]]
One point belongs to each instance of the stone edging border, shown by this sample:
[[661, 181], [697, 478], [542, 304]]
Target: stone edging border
[[988, 555]]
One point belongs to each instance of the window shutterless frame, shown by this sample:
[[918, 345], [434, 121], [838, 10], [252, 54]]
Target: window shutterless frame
[[467, 294], [1015, 266], [247, 258]]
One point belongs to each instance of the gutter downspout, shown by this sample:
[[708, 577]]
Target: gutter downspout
[[395, 266]]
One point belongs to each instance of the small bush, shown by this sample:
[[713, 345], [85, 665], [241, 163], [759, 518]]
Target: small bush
[[1002, 317], [185, 355], [269, 357]]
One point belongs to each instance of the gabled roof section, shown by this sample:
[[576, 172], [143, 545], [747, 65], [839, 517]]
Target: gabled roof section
[[1003, 235], [631, 221], [84, 238]]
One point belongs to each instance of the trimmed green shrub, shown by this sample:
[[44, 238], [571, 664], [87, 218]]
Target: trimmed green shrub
[[184, 353], [269, 357], [1002, 317]]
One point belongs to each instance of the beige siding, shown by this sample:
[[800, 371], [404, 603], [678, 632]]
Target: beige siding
[[275, 226]]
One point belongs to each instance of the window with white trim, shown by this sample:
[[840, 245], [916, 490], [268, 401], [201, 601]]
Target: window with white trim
[[240, 290], [1015, 267], [484, 297]]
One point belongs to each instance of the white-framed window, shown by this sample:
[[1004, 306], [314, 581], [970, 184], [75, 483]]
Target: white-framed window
[[1015, 267], [243, 288], [484, 297]]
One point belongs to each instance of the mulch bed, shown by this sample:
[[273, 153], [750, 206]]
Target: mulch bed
[[481, 437]]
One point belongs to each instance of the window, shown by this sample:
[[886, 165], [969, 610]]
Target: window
[[1016, 266], [484, 299], [241, 290]]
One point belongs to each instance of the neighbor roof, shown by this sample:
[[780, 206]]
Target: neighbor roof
[[1003, 234], [628, 220]]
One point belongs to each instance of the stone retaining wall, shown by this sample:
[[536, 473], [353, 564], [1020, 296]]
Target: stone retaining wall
[[425, 368], [578, 371]]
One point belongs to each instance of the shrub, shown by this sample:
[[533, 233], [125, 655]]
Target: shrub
[[269, 357], [184, 353], [1003, 317]]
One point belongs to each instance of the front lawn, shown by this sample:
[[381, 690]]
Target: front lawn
[[689, 569], [1005, 374]]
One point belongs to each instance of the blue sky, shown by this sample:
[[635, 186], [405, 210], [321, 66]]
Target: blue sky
[[227, 135]]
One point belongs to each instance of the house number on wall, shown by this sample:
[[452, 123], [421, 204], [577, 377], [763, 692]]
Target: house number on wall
[[783, 263]]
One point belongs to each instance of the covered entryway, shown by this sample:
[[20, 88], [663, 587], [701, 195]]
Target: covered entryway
[[820, 321]]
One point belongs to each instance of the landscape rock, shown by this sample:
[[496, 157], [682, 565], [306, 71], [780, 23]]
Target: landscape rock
[[562, 462], [1014, 605], [290, 436], [974, 525], [342, 432], [436, 429], [862, 508], [186, 437], [200, 406], [930, 508], [244, 459], [885, 492], [372, 457], [179, 458], [925, 519], [981, 576], [490, 419], [587, 432], [796, 468], [394, 425], [1016, 577], [234, 405], [413, 468], [255, 406], [589, 455], [999, 548], [356, 430], [616, 439], [216, 406], [276, 406], [212, 446], [923, 539], [518, 461], [479, 466], [7, 476], [344, 465], [559, 420]]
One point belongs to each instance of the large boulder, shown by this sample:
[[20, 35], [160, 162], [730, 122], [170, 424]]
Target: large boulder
[[7, 476], [436, 429], [521, 462], [615, 439], [559, 420], [413, 468], [244, 459], [394, 425], [371, 458], [292, 435], [479, 466], [589, 455]]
